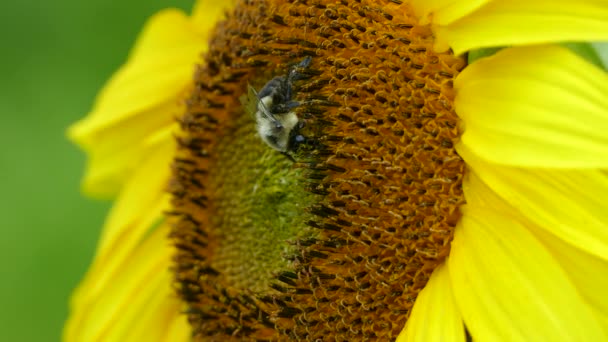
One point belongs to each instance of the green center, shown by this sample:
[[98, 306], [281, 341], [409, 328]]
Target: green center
[[259, 203]]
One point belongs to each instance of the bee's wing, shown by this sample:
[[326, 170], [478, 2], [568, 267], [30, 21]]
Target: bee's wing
[[250, 101], [254, 102]]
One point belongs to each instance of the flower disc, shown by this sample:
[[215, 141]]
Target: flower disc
[[336, 245]]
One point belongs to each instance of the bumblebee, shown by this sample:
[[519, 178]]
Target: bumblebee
[[276, 120]]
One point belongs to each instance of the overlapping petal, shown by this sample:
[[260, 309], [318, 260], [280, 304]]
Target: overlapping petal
[[505, 281], [539, 106], [206, 14], [137, 210], [127, 293], [586, 271], [139, 293], [142, 98], [571, 204], [163, 311], [443, 12], [515, 22], [435, 316]]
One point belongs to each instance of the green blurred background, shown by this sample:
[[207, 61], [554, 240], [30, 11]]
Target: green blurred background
[[56, 55]]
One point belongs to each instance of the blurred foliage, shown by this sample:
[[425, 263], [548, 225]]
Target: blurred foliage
[[55, 57]]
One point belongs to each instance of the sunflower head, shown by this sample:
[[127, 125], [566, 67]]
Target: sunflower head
[[338, 241], [339, 235]]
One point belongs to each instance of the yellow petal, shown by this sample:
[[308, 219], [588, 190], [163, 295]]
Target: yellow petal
[[132, 293], [160, 309], [206, 14], [142, 98], [116, 155], [540, 106], [443, 12], [571, 204], [524, 22], [179, 329], [505, 282], [138, 208], [435, 316], [581, 266], [587, 273], [163, 57]]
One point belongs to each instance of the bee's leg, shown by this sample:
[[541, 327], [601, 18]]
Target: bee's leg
[[295, 73], [292, 104], [289, 156], [305, 62]]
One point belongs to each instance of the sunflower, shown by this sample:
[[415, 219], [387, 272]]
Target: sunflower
[[432, 198]]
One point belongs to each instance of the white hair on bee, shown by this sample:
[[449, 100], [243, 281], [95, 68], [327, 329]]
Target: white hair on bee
[[275, 129], [277, 122]]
